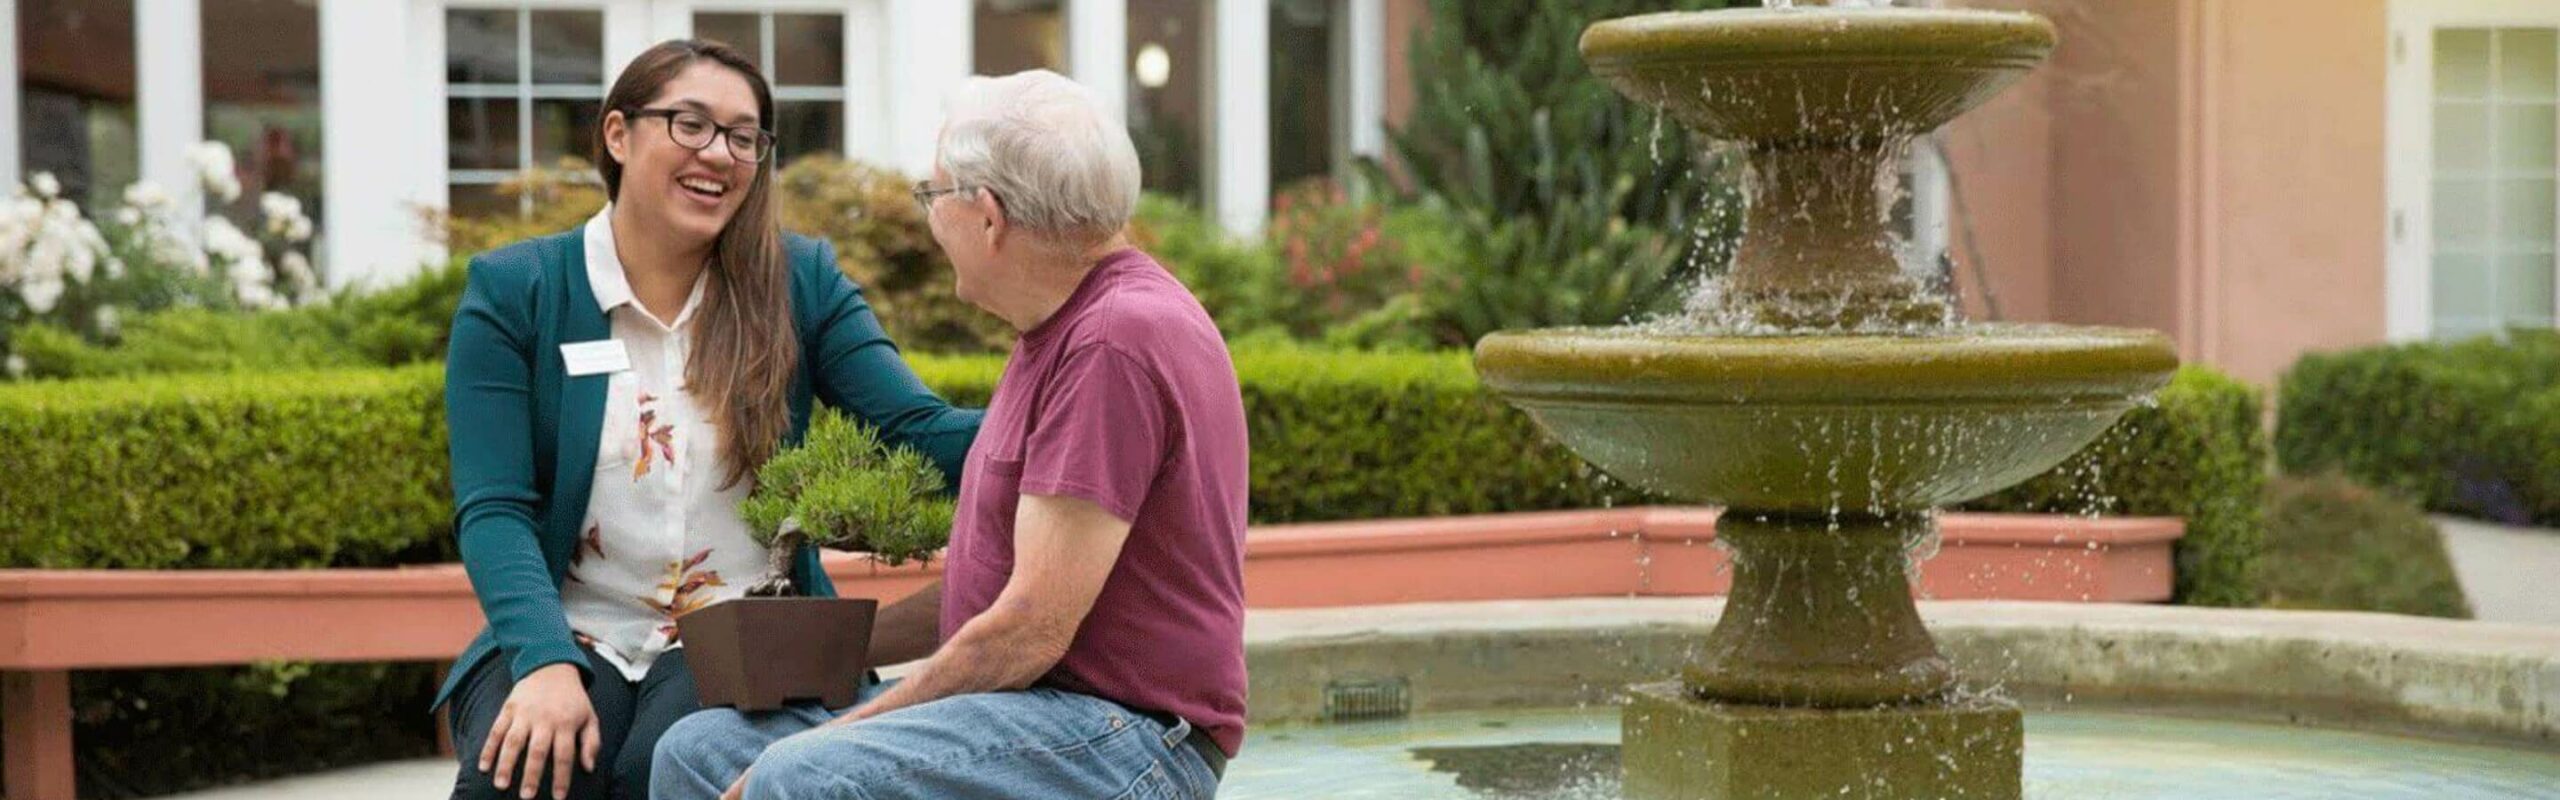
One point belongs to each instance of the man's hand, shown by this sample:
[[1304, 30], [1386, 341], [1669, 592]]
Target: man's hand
[[545, 722], [738, 788]]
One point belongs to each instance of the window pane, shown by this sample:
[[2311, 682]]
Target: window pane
[[2465, 297], [480, 46], [2528, 65], [1168, 101], [2462, 137], [1016, 35], [2462, 213], [2462, 62], [76, 95], [1302, 80], [481, 202], [808, 50], [568, 47], [262, 97], [2524, 137], [2525, 214], [481, 134], [807, 128], [565, 128], [741, 31], [2524, 290]]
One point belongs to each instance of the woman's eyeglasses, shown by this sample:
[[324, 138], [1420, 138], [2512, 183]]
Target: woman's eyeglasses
[[694, 131]]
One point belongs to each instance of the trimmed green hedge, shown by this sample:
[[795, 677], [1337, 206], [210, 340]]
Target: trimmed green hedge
[[2196, 452], [347, 468], [1348, 435], [2348, 547], [2470, 427], [292, 469]]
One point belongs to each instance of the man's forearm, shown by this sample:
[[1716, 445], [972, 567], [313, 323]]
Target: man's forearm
[[985, 655], [908, 629]]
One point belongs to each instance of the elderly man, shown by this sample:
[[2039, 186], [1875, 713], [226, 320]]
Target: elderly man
[[1091, 615]]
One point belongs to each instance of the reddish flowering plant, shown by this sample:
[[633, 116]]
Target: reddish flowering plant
[[1340, 257]]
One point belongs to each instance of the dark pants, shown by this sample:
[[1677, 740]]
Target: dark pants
[[631, 716]]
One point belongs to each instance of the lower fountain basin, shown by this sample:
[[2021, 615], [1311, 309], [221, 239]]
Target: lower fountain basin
[[2071, 754], [1826, 423]]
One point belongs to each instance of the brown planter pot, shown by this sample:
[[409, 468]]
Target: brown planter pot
[[759, 653]]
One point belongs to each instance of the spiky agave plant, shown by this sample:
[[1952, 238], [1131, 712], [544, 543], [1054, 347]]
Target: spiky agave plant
[[841, 487]]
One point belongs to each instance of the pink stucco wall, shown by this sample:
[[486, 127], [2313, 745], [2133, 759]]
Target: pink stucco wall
[[2209, 168]]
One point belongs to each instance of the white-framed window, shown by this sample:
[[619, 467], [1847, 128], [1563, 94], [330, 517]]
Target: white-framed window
[[523, 88], [77, 115], [1010, 36], [1170, 95], [262, 98], [803, 54], [2474, 174]]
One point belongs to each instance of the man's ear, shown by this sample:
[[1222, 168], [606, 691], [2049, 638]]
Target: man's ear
[[992, 207]]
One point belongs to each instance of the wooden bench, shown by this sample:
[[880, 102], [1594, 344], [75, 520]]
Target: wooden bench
[[56, 621]]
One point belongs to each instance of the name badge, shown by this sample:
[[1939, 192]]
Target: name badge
[[595, 358]]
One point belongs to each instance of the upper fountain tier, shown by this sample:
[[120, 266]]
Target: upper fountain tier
[[1816, 75], [1826, 100]]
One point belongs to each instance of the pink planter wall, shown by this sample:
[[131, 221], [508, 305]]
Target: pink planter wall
[[1638, 551]]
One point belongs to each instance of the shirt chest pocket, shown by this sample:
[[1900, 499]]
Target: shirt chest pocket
[[996, 497]]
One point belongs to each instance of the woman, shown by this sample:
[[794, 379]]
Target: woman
[[610, 392]]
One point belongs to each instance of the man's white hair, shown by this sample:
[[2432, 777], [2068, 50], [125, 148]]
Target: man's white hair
[[1064, 169]]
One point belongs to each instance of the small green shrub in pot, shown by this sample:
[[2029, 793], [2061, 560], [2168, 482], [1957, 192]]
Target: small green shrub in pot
[[839, 487], [842, 488]]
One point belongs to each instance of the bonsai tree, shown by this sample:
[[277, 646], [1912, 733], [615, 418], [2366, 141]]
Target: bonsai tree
[[842, 488]]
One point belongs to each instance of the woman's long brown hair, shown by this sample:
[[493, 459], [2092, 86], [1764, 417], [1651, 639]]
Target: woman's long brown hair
[[745, 349]]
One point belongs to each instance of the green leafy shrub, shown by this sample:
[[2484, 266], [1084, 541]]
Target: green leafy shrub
[[2461, 427], [841, 488], [2345, 546], [561, 196], [884, 244], [1575, 206], [402, 325], [277, 469], [1361, 435], [2197, 452]]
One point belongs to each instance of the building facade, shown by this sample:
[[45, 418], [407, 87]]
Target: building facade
[[374, 111], [2268, 178]]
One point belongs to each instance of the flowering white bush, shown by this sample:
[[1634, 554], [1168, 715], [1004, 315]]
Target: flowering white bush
[[214, 168], [57, 266], [46, 247]]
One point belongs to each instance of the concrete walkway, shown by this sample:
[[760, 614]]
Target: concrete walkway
[[2510, 574], [424, 779]]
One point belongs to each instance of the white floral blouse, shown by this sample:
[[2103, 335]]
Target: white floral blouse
[[661, 538]]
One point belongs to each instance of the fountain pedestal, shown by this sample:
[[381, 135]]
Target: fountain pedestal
[[1677, 747], [1819, 394], [1838, 692]]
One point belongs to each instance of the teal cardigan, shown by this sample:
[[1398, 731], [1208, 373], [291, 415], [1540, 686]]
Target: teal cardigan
[[525, 432]]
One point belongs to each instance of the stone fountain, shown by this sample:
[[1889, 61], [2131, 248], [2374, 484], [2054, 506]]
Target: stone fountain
[[1827, 399]]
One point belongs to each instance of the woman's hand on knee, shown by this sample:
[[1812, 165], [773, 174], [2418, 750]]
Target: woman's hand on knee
[[546, 721]]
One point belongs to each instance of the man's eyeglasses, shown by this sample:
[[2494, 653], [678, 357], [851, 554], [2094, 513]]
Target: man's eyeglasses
[[694, 131], [925, 192]]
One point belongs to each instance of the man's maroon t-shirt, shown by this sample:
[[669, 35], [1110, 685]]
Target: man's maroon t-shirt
[[1126, 397]]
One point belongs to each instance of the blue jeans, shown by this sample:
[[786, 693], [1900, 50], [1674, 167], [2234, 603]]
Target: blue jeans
[[1037, 743]]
